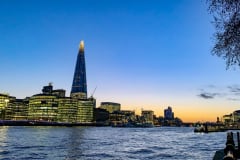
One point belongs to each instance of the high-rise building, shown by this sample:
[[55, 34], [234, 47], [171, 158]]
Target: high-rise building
[[52, 105], [79, 85], [85, 105], [168, 113]]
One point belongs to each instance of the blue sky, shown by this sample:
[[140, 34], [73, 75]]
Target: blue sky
[[142, 54]]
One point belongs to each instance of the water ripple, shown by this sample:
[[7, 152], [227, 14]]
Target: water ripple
[[97, 143]]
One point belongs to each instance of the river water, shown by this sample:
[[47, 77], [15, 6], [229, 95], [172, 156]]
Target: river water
[[97, 143]]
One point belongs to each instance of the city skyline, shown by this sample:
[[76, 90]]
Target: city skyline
[[142, 55]]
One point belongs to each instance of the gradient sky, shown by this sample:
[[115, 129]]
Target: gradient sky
[[140, 53]]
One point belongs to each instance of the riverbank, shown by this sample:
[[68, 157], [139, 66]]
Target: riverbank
[[206, 128], [45, 123]]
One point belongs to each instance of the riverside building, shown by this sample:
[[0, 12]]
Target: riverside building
[[4, 100], [85, 106], [168, 113], [52, 105], [234, 117], [17, 109], [147, 115], [110, 106]]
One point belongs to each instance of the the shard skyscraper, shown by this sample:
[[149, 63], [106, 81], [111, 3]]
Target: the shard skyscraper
[[79, 85]]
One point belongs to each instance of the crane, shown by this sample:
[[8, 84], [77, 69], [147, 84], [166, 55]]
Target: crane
[[93, 91]]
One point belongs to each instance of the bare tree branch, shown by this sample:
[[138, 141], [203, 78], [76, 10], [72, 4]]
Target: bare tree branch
[[226, 18]]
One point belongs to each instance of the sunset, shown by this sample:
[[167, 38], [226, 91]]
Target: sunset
[[155, 55], [129, 63]]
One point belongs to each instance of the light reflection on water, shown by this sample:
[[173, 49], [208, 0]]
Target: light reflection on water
[[3, 143], [94, 143]]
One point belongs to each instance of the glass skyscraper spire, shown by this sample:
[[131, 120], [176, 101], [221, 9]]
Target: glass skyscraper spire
[[79, 85]]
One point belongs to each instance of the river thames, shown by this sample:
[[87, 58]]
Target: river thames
[[96, 143]]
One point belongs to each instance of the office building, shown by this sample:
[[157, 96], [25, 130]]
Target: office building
[[43, 107], [52, 105], [79, 85], [147, 116], [122, 116], [4, 100], [67, 110], [17, 109], [110, 106], [168, 113], [85, 111], [236, 116], [85, 106]]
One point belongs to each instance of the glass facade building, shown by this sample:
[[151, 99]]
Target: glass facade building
[[67, 110], [52, 105], [79, 85], [17, 109], [4, 100], [85, 111], [43, 107], [110, 106], [168, 113]]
